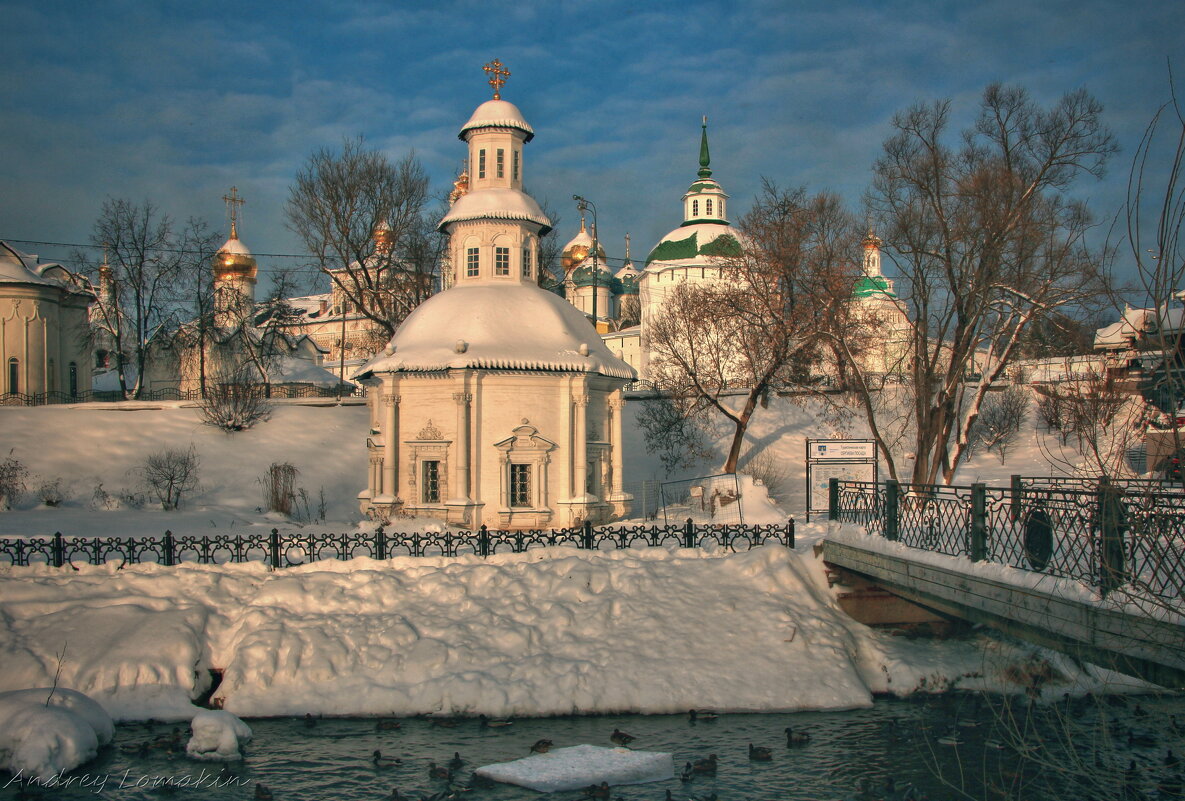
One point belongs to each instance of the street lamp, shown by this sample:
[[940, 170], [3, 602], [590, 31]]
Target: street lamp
[[584, 205]]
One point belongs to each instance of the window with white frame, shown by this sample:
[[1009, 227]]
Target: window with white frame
[[481, 164], [527, 262], [708, 207], [471, 263], [501, 261], [514, 173], [501, 163], [695, 208]]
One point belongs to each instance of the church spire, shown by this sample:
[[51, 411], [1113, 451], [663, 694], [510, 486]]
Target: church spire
[[704, 159], [233, 201]]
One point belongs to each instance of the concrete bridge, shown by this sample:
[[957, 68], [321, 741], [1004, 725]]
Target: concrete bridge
[[1117, 636]]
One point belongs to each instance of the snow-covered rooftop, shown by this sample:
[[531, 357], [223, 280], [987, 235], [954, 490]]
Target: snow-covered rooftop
[[22, 268], [497, 204], [696, 244], [497, 114], [513, 326]]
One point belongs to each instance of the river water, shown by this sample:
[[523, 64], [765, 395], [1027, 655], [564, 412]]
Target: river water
[[1071, 750]]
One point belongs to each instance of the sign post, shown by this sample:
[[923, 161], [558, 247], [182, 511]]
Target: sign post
[[845, 459]]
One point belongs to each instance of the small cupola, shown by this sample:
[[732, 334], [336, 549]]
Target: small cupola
[[705, 200]]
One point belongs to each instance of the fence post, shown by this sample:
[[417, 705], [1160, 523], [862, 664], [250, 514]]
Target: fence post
[[59, 550], [892, 507], [587, 536], [483, 540], [1110, 516], [380, 543], [790, 533], [977, 547], [168, 554], [1014, 505], [689, 534], [275, 549], [833, 499]]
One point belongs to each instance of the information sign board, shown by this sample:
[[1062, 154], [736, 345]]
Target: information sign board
[[844, 459]]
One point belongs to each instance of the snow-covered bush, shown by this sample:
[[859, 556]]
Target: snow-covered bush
[[12, 481], [50, 492], [234, 404], [170, 473], [999, 421], [765, 467]]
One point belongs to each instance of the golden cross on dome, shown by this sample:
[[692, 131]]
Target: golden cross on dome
[[498, 76], [232, 201]]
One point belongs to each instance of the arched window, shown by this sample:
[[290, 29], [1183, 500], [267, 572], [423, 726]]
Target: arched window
[[14, 375], [708, 207], [73, 379], [695, 208]]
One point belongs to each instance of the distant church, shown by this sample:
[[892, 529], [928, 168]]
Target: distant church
[[496, 402]]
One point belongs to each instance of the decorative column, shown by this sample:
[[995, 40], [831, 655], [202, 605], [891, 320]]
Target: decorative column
[[390, 445], [580, 446], [616, 408], [461, 491]]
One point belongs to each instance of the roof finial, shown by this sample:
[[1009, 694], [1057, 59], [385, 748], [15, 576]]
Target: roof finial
[[498, 76], [582, 230], [627, 247], [704, 158], [232, 201]]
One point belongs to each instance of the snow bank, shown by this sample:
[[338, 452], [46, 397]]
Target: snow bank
[[42, 739], [217, 736], [579, 766]]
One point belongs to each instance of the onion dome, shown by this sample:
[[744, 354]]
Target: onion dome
[[497, 114], [705, 235], [509, 326], [233, 260], [577, 250], [628, 275]]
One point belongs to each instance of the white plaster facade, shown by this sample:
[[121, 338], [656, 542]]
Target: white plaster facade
[[496, 402], [44, 342]]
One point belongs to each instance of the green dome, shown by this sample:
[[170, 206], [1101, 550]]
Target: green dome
[[872, 286], [705, 240]]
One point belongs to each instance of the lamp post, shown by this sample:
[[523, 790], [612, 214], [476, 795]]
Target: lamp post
[[584, 205]]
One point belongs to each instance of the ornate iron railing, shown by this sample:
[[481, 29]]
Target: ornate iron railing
[[288, 549], [1108, 536]]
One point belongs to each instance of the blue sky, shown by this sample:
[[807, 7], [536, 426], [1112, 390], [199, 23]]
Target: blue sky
[[176, 101]]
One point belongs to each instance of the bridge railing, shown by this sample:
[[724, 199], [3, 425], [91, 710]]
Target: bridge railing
[[1106, 536], [288, 549]]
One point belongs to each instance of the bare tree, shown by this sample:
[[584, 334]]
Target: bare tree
[[1000, 419], [985, 242], [365, 221], [726, 344], [146, 262], [170, 473], [234, 400]]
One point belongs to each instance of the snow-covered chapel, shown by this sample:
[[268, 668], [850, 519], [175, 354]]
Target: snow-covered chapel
[[496, 401]]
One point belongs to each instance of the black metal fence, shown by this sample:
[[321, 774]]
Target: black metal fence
[[173, 394], [290, 549], [1108, 536]]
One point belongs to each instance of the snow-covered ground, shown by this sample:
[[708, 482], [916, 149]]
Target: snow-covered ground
[[551, 631]]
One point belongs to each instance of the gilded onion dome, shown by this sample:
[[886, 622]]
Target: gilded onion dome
[[577, 250], [233, 260]]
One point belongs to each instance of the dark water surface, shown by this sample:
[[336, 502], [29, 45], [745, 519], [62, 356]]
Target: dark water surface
[[1073, 750]]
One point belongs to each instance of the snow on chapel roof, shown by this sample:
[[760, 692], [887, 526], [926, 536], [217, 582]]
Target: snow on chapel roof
[[497, 114], [514, 327], [496, 204]]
